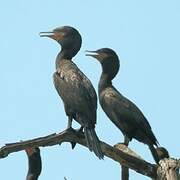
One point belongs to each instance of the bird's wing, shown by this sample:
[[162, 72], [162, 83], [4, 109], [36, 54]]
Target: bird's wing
[[126, 112], [141, 123], [91, 93], [76, 91]]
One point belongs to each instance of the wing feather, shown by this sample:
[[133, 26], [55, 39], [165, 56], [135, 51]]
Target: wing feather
[[125, 114], [76, 91]]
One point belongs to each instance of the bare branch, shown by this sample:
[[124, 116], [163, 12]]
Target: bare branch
[[124, 169], [34, 163], [71, 135], [124, 173], [169, 169]]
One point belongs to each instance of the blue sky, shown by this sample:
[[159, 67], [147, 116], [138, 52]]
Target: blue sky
[[145, 35]]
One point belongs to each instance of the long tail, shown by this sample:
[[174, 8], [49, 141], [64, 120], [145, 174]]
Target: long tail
[[93, 142], [154, 153]]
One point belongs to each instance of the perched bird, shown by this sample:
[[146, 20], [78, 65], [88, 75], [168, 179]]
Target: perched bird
[[162, 153], [34, 163], [121, 111], [74, 88]]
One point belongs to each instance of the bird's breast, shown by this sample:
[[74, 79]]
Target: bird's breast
[[59, 73]]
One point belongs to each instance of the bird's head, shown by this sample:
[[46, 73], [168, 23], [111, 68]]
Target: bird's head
[[68, 37], [108, 59]]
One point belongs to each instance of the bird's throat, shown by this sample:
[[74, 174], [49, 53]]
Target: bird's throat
[[105, 81], [60, 57]]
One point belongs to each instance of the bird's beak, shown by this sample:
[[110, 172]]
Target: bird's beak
[[52, 34], [46, 34], [92, 54]]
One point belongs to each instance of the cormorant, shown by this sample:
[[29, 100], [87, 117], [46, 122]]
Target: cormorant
[[34, 163], [75, 89], [162, 153], [121, 111]]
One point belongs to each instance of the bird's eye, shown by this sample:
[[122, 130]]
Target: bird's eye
[[65, 34]]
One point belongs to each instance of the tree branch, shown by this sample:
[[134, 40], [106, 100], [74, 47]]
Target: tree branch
[[124, 169], [124, 173], [70, 135]]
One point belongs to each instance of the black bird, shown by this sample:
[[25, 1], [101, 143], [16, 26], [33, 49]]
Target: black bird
[[121, 111], [75, 89], [34, 163], [162, 153]]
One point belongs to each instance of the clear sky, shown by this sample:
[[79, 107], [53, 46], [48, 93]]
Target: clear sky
[[145, 35]]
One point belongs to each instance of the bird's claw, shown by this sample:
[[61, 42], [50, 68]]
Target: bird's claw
[[79, 131], [73, 144]]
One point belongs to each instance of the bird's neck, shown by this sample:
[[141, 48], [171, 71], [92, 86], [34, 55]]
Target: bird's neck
[[63, 55], [109, 71], [105, 81]]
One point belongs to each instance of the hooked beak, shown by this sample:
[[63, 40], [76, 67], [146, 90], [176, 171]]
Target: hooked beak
[[92, 54], [46, 34], [52, 34]]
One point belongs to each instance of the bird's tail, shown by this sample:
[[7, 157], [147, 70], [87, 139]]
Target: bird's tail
[[154, 153], [93, 142]]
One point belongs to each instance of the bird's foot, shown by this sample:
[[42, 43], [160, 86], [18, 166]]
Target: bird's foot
[[121, 144], [126, 144], [68, 129], [79, 131], [73, 144]]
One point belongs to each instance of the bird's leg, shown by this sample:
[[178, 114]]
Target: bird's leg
[[69, 126], [69, 122], [126, 140], [124, 169], [80, 130]]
